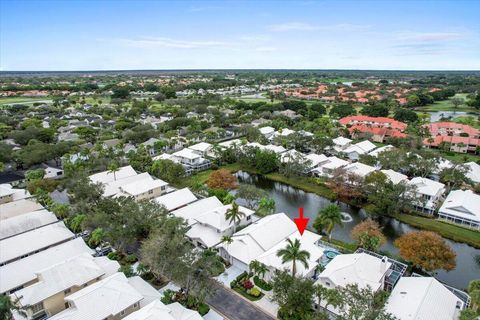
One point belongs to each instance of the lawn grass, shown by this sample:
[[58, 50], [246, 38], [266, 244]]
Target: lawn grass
[[445, 229], [446, 105], [305, 184], [9, 100]]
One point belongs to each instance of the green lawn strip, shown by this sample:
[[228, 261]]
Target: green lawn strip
[[9, 100], [305, 184], [246, 295], [445, 229]]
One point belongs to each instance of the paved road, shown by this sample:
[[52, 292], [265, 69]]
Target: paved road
[[235, 307]]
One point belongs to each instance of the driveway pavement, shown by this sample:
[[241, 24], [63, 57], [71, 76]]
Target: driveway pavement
[[235, 307]]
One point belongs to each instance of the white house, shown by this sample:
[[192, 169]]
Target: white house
[[188, 157], [423, 298], [354, 151], [47, 295], [428, 193], [380, 150], [16, 208], [109, 176], [327, 167], [25, 222], [341, 143], [359, 169], [394, 176], [230, 144], [203, 148], [261, 241], [269, 147], [22, 273], [176, 199], [473, 171], [212, 225], [9, 194], [157, 310], [31, 242], [462, 207], [267, 132], [197, 208], [114, 297], [361, 269]]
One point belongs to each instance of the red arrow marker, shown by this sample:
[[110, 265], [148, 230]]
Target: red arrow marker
[[301, 222]]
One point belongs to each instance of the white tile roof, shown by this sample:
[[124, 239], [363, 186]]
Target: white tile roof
[[268, 147], [179, 312], [108, 176], [176, 199], [112, 188], [359, 169], [316, 159], [186, 154], [216, 217], [201, 147], [17, 194], [376, 152], [473, 171], [292, 155], [23, 271], [15, 208], [394, 176], [427, 186], [25, 222], [341, 141], [266, 130], [464, 204], [197, 208], [73, 272], [148, 292], [100, 300], [356, 268], [154, 310], [260, 236], [307, 242], [334, 163], [230, 143], [142, 186], [31, 241], [422, 298]]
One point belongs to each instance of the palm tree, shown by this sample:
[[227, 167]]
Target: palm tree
[[327, 219], [234, 215], [254, 266], [321, 293], [114, 168], [293, 253], [227, 240], [261, 270]]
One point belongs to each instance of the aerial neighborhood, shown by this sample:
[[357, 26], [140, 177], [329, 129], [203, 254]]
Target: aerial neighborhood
[[239, 160], [133, 199]]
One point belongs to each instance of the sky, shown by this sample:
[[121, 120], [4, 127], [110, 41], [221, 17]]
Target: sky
[[133, 35]]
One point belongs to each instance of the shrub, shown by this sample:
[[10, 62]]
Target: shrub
[[254, 292], [131, 258], [247, 284], [233, 284], [127, 270], [168, 296], [262, 284], [203, 309], [241, 276], [113, 255]]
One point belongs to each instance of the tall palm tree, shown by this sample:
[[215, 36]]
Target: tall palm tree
[[253, 266], [227, 240], [234, 215], [327, 219], [114, 168], [261, 270], [293, 253]]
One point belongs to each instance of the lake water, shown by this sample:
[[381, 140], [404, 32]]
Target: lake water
[[289, 199], [437, 115]]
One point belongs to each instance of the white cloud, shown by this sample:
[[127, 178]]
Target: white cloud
[[162, 42], [300, 26], [430, 36]]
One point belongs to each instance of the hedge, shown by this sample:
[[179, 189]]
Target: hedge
[[262, 284]]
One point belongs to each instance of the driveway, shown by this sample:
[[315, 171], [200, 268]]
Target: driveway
[[235, 307]]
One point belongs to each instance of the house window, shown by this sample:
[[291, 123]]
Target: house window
[[67, 291], [135, 305], [122, 312], [37, 307], [67, 305], [249, 218], [327, 283], [150, 191]]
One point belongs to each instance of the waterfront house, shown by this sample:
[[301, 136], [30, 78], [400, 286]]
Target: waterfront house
[[354, 151], [341, 143], [428, 194], [462, 207], [326, 168], [176, 199], [423, 298], [394, 176], [197, 208]]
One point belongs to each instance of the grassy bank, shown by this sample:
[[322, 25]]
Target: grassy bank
[[447, 230], [305, 184], [446, 105]]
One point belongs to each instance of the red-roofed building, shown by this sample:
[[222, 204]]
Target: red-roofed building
[[379, 127], [456, 137]]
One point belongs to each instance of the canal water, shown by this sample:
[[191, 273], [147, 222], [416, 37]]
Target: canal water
[[437, 115], [289, 199]]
